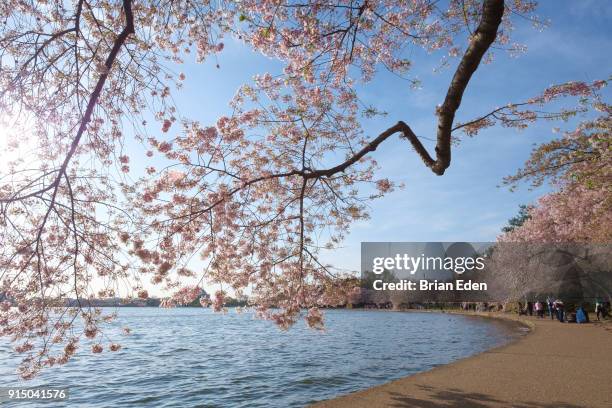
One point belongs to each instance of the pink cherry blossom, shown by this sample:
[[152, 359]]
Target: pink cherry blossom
[[245, 202]]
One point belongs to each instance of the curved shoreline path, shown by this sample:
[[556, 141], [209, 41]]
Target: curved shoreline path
[[557, 365]]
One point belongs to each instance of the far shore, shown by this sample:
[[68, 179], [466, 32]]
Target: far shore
[[556, 365]]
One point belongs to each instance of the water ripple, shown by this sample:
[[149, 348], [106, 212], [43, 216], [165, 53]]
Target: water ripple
[[194, 358]]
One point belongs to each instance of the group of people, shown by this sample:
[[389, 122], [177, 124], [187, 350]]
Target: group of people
[[556, 310]]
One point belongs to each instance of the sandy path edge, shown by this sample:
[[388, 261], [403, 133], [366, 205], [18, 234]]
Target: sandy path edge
[[554, 366]]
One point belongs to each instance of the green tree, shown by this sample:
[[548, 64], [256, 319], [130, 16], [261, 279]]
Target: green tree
[[519, 219]]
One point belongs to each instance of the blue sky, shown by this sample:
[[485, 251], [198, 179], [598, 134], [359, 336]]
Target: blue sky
[[465, 204]]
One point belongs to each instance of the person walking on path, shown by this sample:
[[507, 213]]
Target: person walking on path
[[539, 307], [530, 308], [598, 309], [551, 308], [558, 305]]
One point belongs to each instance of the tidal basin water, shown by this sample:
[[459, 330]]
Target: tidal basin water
[[191, 357]]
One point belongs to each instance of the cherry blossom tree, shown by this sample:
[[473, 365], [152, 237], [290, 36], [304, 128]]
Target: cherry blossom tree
[[579, 166], [255, 196], [576, 216]]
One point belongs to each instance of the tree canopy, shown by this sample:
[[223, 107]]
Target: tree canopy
[[254, 196]]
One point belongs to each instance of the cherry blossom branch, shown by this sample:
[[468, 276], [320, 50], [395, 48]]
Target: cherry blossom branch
[[484, 117], [480, 42], [93, 100]]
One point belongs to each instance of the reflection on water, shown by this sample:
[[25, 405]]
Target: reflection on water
[[192, 357]]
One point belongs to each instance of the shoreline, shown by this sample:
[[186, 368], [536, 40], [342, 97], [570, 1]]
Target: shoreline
[[551, 365]]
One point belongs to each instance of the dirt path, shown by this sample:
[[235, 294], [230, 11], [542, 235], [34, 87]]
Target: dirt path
[[555, 366]]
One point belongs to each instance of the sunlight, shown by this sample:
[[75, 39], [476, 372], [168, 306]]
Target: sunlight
[[17, 146], [5, 138]]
